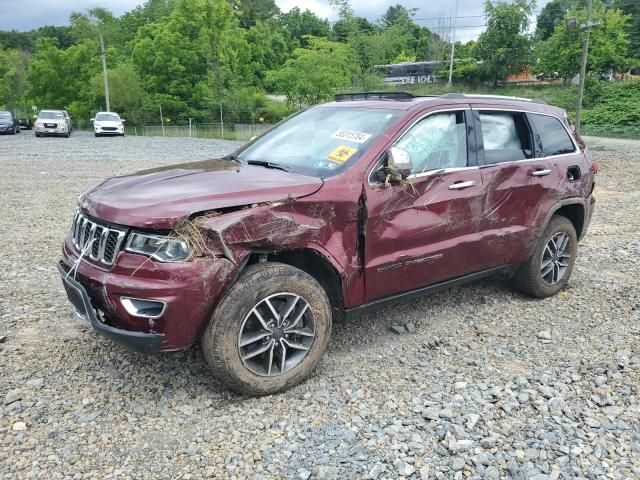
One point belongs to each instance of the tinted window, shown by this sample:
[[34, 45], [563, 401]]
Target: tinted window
[[506, 136], [553, 137], [437, 141]]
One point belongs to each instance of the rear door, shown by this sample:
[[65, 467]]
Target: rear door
[[424, 230], [521, 184]]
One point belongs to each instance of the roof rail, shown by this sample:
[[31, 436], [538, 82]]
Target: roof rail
[[345, 97], [492, 97]]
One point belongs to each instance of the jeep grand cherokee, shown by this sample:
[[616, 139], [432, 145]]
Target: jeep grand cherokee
[[341, 208]]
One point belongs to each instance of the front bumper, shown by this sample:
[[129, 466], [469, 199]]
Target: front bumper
[[6, 128], [110, 131], [79, 298], [189, 290], [57, 131]]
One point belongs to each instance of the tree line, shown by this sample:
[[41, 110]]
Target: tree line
[[202, 58]]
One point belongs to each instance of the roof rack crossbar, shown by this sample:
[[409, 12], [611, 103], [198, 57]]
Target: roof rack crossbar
[[492, 97], [345, 97]]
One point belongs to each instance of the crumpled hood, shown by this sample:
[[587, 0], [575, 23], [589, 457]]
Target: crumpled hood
[[163, 198]]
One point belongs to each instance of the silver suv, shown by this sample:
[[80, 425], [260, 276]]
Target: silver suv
[[52, 122]]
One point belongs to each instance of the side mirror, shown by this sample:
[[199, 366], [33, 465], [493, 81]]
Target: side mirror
[[92, 120], [399, 160], [123, 120]]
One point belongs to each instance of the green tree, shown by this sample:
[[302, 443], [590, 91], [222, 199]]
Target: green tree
[[633, 10], [397, 15], [250, 12], [314, 73], [298, 25], [608, 44], [13, 69], [504, 47], [60, 78], [126, 91]]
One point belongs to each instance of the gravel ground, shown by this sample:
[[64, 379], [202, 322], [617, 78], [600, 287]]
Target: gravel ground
[[481, 383]]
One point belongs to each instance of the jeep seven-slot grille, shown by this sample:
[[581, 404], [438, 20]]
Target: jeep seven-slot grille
[[99, 241]]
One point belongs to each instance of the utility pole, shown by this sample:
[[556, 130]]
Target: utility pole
[[453, 46], [583, 65], [103, 54]]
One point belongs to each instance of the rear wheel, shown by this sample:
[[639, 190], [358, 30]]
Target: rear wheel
[[549, 267], [270, 330]]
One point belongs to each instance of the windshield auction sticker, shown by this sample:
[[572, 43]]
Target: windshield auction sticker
[[341, 154], [351, 135]]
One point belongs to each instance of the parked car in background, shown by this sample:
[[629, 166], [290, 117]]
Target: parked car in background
[[69, 120], [341, 209], [52, 123], [9, 123], [108, 123], [25, 122]]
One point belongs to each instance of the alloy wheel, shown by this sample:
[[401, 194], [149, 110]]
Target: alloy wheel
[[277, 334], [555, 258]]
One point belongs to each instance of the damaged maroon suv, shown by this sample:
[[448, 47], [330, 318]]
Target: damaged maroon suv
[[341, 208]]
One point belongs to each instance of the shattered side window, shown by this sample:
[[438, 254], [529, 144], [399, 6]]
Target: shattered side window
[[506, 137], [438, 141]]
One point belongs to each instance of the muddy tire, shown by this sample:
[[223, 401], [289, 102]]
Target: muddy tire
[[278, 311], [550, 265]]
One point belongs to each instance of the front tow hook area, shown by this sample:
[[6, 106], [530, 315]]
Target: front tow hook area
[[142, 342]]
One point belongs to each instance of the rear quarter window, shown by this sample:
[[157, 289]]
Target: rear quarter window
[[551, 136]]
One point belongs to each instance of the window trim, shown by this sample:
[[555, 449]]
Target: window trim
[[576, 148], [477, 109], [472, 144]]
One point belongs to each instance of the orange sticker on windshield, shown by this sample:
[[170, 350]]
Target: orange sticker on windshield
[[341, 154]]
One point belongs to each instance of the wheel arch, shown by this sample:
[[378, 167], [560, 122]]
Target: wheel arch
[[572, 209], [311, 261]]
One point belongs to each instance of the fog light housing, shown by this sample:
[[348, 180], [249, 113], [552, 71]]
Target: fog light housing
[[138, 307]]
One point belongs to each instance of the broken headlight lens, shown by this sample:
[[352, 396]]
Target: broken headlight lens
[[161, 248]]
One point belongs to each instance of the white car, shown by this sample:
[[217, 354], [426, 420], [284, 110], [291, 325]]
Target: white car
[[51, 122], [108, 123]]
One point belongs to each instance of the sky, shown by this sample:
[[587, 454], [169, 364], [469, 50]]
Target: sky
[[27, 14]]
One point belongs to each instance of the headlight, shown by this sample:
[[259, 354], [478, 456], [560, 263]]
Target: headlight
[[39, 124], [161, 248], [96, 124]]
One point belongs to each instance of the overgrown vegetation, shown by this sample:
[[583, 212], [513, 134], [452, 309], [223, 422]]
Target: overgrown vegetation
[[198, 58]]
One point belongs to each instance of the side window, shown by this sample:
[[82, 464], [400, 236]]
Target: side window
[[506, 135], [437, 141], [552, 136]]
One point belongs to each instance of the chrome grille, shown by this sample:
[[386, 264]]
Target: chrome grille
[[105, 239]]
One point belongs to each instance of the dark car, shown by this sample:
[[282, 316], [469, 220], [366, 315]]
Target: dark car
[[25, 122], [340, 209], [8, 123]]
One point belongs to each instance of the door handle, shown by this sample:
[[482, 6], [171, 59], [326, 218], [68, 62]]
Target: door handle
[[541, 173], [461, 185]]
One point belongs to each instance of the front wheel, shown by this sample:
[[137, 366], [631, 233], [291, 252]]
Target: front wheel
[[550, 265], [269, 331]]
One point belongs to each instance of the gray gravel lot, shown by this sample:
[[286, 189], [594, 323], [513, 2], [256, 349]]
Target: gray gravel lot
[[483, 383]]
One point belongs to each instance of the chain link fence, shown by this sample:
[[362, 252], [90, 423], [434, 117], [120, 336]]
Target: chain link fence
[[232, 131], [228, 131], [245, 131], [611, 131]]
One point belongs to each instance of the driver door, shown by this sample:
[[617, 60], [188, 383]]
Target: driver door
[[424, 230]]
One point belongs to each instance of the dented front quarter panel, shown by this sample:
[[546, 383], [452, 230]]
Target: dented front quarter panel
[[325, 222]]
